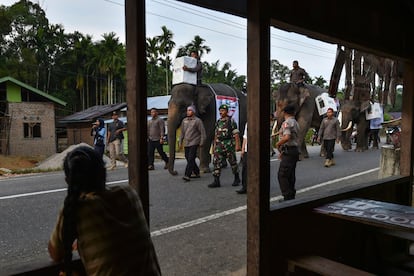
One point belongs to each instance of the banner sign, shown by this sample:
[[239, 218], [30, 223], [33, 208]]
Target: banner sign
[[232, 103]]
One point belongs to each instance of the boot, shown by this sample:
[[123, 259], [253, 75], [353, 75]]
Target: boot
[[327, 163], [243, 190], [236, 181], [216, 182], [332, 162]]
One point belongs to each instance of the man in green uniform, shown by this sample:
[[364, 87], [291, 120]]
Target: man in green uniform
[[226, 143]]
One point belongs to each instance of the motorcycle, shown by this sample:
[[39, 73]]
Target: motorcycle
[[393, 135], [314, 139]]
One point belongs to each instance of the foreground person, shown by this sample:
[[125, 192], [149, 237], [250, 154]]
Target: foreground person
[[289, 153], [105, 224]]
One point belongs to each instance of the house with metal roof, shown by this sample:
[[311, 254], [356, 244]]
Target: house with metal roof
[[27, 119], [78, 125]]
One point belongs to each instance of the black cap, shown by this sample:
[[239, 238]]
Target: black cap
[[114, 112], [289, 109]]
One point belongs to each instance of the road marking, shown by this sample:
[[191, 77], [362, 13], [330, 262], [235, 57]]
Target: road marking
[[52, 191], [191, 223]]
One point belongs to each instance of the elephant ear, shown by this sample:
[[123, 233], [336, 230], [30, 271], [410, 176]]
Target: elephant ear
[[303, 95], [204, 98]]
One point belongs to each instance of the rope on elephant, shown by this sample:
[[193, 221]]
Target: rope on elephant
[[212, 89]]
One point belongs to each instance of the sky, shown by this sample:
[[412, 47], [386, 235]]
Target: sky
[[224, 34]]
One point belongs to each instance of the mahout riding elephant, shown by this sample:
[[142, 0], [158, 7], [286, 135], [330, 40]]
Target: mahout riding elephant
[[307, 115], [203, 97], [353, 112]]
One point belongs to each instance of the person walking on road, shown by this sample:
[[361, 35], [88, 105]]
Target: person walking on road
[[156, 132], [225, 144], [243, 189], [193, 135], [106, 225], [288, 153], [329, 132], [114, 139], [99, 132]]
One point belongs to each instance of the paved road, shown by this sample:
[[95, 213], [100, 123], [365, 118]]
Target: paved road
[[196, 230]]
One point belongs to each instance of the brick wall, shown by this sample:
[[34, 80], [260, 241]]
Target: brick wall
[[30, 113]]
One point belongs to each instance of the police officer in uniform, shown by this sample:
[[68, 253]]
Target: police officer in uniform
[[289, 153], [226, 143]]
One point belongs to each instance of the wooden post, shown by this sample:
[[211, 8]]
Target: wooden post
[[136, 80], [258, 103], [389, 162]]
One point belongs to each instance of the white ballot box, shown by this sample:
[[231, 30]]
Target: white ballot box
[[323, 102], [179, 75], [374, 112]]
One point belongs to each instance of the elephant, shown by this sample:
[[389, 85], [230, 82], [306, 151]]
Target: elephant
[[307, 115], [203, 97], [352, 113]]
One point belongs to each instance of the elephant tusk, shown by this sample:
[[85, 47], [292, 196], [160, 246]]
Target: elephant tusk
[[348, 127]]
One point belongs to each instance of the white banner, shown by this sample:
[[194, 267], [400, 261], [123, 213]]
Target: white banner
[[232, 103]]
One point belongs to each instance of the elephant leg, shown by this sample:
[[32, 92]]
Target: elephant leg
[[205, 159], [303, 152]]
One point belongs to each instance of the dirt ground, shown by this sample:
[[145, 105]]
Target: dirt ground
[[18, 162]]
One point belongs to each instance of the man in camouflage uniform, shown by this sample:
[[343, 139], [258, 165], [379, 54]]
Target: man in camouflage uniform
[[226, 143], [289, 153]]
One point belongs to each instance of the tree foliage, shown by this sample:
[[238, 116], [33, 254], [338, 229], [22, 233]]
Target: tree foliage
[[83, 72]]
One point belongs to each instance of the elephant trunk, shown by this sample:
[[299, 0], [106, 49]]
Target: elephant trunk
[[173, 123]]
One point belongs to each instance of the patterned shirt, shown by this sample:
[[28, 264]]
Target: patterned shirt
[[113, 236], [225, 129]]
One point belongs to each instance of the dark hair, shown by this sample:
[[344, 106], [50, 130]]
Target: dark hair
[[194, 51], [85, 172], [101, 123], [330, 108]]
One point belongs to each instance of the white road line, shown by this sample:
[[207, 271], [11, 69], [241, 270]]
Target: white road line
[[52, 191], [191, 223], [242, 208]]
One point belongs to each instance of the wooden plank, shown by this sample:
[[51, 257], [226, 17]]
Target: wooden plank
[[324, 266], [380, 214]]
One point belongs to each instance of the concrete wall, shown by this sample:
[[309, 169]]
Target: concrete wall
[[32, 112]]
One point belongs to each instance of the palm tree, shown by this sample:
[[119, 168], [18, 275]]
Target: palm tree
[[166, 45], [111, 60], [197, 44]]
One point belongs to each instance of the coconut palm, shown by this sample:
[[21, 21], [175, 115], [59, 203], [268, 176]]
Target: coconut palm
[[197, 44], [111, 60], [166, 45]]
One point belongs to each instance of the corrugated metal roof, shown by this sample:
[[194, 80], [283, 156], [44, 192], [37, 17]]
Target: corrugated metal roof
[[90, 114], [160, 102]]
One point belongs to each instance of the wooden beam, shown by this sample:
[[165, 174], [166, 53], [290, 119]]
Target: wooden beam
[[258, 103], [407, 124], [136, 79]]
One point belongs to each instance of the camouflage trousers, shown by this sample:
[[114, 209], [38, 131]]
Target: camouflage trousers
[[222, 153]]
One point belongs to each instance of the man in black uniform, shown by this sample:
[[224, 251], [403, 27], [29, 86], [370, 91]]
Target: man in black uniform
[[289, 153]]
